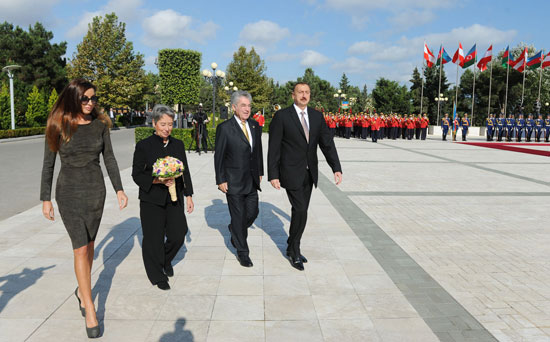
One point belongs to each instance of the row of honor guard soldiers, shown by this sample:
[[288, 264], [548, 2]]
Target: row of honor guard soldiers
[[511, 128], [390, 126], [463, 123]]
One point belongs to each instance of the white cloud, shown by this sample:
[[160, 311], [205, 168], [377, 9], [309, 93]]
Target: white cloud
[[312, 58], [305, 40], [262, 35], [169, 28], [127, 11], [26, 12]]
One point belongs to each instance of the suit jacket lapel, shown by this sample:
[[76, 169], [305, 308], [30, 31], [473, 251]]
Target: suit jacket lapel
[[294, 118], [241, 133], [252, 133]]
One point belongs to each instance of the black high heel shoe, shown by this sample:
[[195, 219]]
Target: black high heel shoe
[[82, 310], [92, 332]]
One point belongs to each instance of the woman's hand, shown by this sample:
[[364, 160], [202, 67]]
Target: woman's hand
[[166, 181], [190, 204], [122, 199], [47, 210]]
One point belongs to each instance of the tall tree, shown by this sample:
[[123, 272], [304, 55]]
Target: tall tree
[[416, 90], [344, 84], [180, 77], [247, 72], [390, 97], [5, 110], [431, 87], [107, 59], [52, 99], [36, 114]]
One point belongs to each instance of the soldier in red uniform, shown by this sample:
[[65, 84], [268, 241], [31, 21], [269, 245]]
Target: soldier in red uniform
[[332, 125], [424, 123], [374, 127], [417, 128], [404, 127], [261, 120], [365, 123], [348, 124], [411, 127]]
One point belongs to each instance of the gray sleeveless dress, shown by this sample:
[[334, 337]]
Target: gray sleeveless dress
[[80, 189]]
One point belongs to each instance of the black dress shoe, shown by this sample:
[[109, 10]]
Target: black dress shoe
[[169, 271], [92, 332], [296, 263], [303, 258], [163, 285], [245, 261], [82, 310]]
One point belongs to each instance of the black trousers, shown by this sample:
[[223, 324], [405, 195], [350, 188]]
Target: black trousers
[[160, 223], [374, 135], [299, 200], [424, 132], [445, 131], [243, 210]]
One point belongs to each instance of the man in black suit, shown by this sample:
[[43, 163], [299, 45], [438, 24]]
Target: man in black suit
[[200, 119], [239, 169], [294, 134]]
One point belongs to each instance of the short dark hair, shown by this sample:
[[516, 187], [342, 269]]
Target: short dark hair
[[300, 83]]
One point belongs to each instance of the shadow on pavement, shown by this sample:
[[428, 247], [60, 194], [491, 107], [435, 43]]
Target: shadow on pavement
[[180, 334], [18, 282], [273, 225]]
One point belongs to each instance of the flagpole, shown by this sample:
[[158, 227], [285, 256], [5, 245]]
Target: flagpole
[[490, 83], [422, 87], [540, 80], [523, 87], [456, 93], [474, 88], [506, 94], [440, 69]]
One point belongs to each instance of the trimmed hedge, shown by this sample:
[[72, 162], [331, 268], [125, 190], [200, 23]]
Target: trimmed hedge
[[21, 132], [184, 134]]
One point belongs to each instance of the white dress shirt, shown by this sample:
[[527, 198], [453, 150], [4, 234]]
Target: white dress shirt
[[239, 122], [306, 117]]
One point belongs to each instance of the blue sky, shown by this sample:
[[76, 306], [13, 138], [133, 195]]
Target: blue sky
[[366, 39]]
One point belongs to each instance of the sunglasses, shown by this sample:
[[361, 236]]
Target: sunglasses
[[85, 99]]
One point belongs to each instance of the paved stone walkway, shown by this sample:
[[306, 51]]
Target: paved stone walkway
[[424, 241]]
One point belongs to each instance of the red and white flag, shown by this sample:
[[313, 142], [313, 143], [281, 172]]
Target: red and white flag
[[459, 55], [546, 61], [429, 56], [482, 65], [521, 62]]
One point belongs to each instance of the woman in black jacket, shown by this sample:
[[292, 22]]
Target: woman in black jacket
[[162, 221]]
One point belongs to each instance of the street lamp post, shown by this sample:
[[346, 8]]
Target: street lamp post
[[215, 77], [9, 70], [439, 100], [229, 90], [338, 95]]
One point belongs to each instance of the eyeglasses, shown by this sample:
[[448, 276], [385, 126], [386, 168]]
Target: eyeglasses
[[85, 99]]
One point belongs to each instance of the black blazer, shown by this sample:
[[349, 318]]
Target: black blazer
[[289, 153], [145, 155], [234, 161]]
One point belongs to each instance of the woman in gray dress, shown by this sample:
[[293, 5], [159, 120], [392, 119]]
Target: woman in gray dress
[[79, 133]]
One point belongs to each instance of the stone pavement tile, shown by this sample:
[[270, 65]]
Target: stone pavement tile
[[33, 303], [17, 329], [298, 331], [325, 285], [389, 305], [188, 307], [206, 253], [289, 308], [317, 252], [373, 283], [241, 285], [188, 285], [131, 307], [324, 268], [75, 330], [352, 330], [279, 267], [199, 267], [403, 329], [232, 267], [238, 308], [237, 331], [339, 307], [181, 330], [351, 252], [361, 267], [286, 285]]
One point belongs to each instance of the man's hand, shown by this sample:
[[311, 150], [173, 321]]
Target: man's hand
[[223, 187], [190, 204], [338, 177], [260, 179], [276, 184], [47, 210]]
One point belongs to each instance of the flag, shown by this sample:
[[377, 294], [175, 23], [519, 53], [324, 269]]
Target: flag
[[519, 64], [535, 61], [443, 57], [459, 55], [428, 56], [546, 61], [470, 58], [482, 65], [507, 58]]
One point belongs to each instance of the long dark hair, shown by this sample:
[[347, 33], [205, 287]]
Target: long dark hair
[[63, 119]]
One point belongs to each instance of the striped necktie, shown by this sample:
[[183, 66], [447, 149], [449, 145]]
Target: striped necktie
[[243, 123], [304, 125]]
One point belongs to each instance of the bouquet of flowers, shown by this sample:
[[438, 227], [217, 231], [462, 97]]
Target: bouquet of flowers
[[168, 167]]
